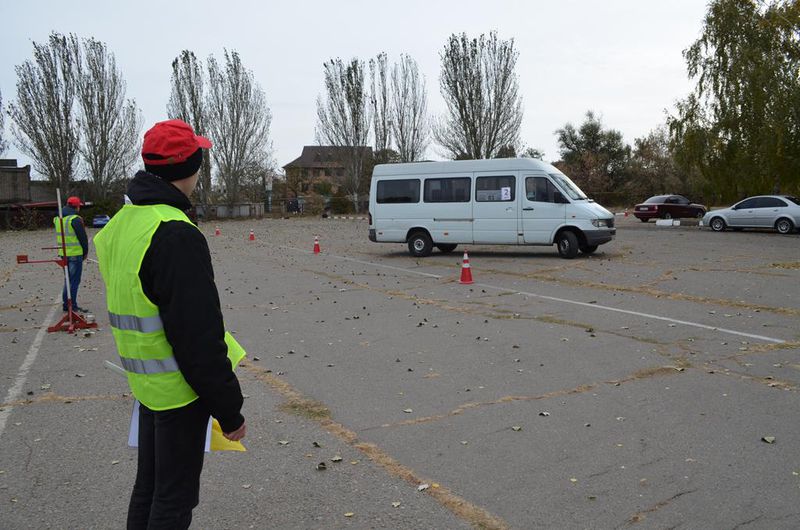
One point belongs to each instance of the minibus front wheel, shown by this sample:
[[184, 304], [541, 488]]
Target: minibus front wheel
[[420, 244], [567, 243]]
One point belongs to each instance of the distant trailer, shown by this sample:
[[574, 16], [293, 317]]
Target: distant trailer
[[28, 215]]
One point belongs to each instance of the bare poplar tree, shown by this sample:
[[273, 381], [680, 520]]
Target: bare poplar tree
[[45, 127], [109, 124], [3, 142], [379, 105], [343, 118], [481, 90], [187, 102], [409, 109], [238, 122]]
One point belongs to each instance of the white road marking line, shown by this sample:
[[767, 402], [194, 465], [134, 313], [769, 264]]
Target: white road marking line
[[637, 313], [567, 301], [16, 389]]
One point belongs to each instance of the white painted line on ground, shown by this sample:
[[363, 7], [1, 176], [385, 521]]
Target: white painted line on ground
[[566, 301], [22, 375], [637, 313]]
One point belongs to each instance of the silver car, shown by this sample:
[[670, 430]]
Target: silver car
[[781, 212]]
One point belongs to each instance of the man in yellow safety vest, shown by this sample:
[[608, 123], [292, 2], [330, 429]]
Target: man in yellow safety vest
[[166, 320], [76, 245]]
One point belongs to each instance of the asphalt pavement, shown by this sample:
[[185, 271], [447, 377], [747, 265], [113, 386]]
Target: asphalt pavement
[[653, 384]]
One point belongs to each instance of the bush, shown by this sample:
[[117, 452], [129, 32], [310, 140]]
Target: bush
[[341, 205], [101, 207]]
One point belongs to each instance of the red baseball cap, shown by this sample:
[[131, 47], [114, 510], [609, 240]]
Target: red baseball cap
[[74, 201], [171, 142]]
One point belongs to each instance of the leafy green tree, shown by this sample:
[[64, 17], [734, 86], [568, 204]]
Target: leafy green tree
[[652, 169], [532, 152], [596, 158], [740, 127]]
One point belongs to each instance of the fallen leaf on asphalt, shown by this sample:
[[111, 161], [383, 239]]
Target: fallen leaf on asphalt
[[516, 428], [354, 462], [322, 466], [283, 442], [349, 514], [80, 375], [573, 480], [544, 413], [395, 504], [246, 486], [114, 462], [768, 439], [316, 444], [423, 487], [336, 458], [464, 442], [408, 411]]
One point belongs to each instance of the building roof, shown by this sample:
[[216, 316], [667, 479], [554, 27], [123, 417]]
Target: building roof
[[324, 156]]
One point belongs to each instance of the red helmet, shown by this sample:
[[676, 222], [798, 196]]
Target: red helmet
[[74, 201]]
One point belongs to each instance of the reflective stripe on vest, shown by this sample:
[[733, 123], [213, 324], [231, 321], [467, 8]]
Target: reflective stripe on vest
[[149, 366], [134, 323]]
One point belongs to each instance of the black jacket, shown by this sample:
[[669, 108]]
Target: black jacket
[[77, 227], [177, 276]]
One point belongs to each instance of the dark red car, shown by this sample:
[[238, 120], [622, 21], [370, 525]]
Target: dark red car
[[668, 207]]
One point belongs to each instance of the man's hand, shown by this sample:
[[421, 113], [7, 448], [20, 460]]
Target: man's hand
[[236, 435]]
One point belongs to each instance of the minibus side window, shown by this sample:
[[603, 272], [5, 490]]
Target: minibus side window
[[539, 189], [494, 189], [447, 189], [398, 191]]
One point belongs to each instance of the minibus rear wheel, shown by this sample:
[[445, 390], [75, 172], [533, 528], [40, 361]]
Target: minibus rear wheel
[[420, 244]]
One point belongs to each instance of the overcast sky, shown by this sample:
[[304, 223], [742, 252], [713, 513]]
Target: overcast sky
[[619, 58]]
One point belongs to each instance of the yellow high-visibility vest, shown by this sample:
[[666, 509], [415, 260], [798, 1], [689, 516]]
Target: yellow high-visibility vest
[[153, 373], [73, 245]]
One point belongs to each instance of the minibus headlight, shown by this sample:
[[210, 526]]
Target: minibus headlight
[[600, 223]]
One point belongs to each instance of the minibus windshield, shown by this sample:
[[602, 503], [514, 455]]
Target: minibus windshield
[[572, 189]]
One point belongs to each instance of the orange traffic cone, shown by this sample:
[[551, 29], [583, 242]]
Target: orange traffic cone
[[466, 271], [316, 244], [216, 231], [252, 235]]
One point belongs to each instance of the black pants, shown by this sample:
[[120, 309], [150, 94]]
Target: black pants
[[171, 450]]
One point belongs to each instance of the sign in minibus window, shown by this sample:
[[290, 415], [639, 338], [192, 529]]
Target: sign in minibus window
[[494, 189], [447, 189], [398, 191]]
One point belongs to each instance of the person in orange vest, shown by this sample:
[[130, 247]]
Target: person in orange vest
[[77, 249], [165, 316]]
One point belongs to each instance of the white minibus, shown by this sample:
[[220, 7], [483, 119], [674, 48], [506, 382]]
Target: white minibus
[[510, 201]]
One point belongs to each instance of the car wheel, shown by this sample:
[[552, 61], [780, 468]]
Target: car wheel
[[717, 224], [643, 219], [588, 249], [784, 226], [420, 244], [700, 215], [567, 243], [446, 248], [667, 215]]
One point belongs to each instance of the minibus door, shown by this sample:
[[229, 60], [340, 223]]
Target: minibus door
[[494, 210], [541, 215]]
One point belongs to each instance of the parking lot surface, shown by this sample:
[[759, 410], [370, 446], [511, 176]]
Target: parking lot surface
[[653, 384]]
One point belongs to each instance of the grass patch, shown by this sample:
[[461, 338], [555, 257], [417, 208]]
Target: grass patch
[[307, 408]]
